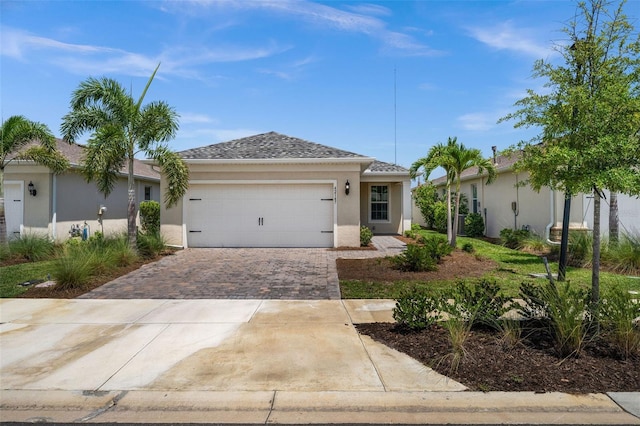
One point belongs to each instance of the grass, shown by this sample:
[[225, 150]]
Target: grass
[[12, 276], [513, 267]]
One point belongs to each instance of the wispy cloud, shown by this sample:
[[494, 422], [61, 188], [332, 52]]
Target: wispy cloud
[[197, 118], [291, 71], [87, 59], [505, 36], [363, 19], [477, 121]]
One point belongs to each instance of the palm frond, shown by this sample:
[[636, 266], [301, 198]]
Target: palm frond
[[54, 160], [175, 171]]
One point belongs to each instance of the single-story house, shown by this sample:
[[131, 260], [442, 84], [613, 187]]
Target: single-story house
[[273, 190], [38, 201], [505, 203]]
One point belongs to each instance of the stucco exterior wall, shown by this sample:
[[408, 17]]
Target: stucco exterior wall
[[75, 201], [395, 223], [348, 206], [535, 210], [628, 213]]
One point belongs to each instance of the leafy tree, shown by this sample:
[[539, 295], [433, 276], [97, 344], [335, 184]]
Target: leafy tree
[[23, 139], [121, 127], [588, 115], [425, 197], [454, 158]]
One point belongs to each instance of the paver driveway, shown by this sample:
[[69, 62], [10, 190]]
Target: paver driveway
[[257, 273]]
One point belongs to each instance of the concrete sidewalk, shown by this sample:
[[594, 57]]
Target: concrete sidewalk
[[241, 361]]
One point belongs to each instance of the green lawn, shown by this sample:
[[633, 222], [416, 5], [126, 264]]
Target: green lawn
[[12, 276], [513, 268]]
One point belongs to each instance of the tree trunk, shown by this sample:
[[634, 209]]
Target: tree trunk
[[131, 208], [595, 269], [454, 234], [3, 218], [449, 233], [614, 221]]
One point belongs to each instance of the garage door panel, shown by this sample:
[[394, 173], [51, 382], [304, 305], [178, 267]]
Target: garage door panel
[[237, 215]]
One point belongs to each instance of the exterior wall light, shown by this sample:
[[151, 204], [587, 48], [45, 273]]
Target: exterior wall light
[[32, 189], [347, 187]]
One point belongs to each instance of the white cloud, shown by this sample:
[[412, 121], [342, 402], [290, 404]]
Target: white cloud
[[370, 9], [191, 117], [322, 15], [505, 36], [87, 59], [477, 122]]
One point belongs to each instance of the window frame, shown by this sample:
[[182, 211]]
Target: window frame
[[145, 193], [387, 202], [474, 198]]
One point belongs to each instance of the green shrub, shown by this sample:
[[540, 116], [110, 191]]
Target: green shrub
[[440, 216], [474, 225], [580, 249], [410, 233], [564, 308], [365, 236], [425, 197], [618, 311], [437, 246], [414, 258], [73, 269], [478, 302], [468, 247], [32, 247], [514, 239], [150, 216], [415, 310], [150, 245], [625, 256]]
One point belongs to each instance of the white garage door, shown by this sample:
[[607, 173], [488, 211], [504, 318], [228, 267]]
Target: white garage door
[[260, 215]]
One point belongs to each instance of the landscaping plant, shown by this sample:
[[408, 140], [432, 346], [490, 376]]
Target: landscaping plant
[[365, 236], [619, 314], [415, 258], [474, 225], [415, 310], [32, 247]]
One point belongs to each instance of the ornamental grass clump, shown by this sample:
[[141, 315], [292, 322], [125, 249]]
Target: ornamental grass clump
[[32, 247], [619, 321], [563, 309]]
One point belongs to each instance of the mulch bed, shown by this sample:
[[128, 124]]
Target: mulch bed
[[530, 365], [459, 264]]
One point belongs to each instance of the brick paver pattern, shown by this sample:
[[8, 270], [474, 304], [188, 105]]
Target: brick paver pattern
[[241, 273]]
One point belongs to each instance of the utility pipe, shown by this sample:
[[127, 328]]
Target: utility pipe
[[552, 218]]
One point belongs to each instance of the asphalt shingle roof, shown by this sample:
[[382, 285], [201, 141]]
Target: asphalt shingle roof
[[270, 145], [75, 153], [382, 167]]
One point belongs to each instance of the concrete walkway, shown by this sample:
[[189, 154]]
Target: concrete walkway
[[237, 273], [240, 361]]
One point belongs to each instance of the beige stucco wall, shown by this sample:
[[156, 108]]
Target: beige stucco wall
[[76, 201], [395, 223], [348, 206], [534, 209]]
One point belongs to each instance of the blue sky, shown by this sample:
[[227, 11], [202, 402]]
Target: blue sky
[[329, 72]]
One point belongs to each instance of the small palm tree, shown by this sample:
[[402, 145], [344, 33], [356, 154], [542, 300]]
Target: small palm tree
[[462, 158], [16, 136], [121, 128], [437, 157], [454, 158]]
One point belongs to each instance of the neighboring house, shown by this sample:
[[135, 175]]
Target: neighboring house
[[505, 203], [37, 201], [272, 190]]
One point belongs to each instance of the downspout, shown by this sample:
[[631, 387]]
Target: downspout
[[552, 218], [54, 208]]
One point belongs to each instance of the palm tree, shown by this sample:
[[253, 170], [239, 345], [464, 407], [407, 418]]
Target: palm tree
[[122, 128], [23, 139], [454, 158], [437, 157], [462, 158]]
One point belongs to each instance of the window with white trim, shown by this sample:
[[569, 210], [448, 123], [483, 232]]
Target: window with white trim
[[474, 198], [379, 197]]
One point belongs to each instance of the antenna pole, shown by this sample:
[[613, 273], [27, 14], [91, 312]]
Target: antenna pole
[[395, 120]]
